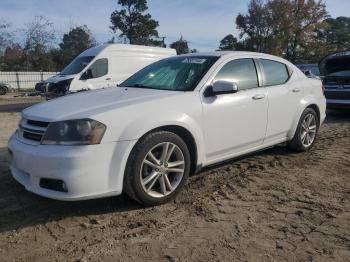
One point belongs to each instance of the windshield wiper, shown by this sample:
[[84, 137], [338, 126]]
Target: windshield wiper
[[141, 86]]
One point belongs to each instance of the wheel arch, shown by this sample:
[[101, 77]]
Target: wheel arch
[[185, 135], [317, 110], [312, 105]]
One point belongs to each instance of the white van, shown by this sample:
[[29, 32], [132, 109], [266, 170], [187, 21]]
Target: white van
[[101, 67]]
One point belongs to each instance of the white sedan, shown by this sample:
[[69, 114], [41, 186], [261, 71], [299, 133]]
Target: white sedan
[[163, 123]]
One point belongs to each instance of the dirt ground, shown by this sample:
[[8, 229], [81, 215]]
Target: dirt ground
[[271, 206]]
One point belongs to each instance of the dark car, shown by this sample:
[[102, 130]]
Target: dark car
[[336, 71]]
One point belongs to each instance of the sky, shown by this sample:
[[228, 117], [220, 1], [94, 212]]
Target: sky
[[202, 22]]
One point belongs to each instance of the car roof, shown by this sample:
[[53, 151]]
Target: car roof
[[235, 53], [94, 51], [229, 54]]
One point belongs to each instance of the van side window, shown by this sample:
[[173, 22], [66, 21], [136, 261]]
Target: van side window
[[98, 68], [240, 71], [276, 73]]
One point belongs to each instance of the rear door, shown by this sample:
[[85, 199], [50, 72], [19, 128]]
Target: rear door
[[283, 97]]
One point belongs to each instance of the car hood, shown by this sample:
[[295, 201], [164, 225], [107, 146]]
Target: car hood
[[57, 78], [89, 103]]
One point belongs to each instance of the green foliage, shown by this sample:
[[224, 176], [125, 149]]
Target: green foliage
[[74, 42], [228, 43], [336, 33], [13, 58], [181, 46], [134, 24], [283, 27]]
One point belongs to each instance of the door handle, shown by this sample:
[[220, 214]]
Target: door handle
[[108, 78], [296, 90], [258, 97]]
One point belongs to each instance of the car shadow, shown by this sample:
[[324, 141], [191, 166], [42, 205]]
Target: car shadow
[[20, 208], [338, 115]]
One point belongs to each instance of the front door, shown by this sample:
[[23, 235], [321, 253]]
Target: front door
[[96, 76], [235, 123]]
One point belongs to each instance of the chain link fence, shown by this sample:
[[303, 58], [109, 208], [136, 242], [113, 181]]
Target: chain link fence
[[24, 80]]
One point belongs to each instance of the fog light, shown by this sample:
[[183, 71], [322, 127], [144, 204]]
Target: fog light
[[53, 184]]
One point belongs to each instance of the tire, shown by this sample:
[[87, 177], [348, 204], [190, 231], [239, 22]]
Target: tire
[[300, 139], [149, 178], [3, 90]]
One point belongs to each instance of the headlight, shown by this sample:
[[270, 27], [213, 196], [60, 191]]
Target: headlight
[[74, 132]]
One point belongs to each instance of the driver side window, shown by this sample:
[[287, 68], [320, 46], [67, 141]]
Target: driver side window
[[240, 71], [98, 68]]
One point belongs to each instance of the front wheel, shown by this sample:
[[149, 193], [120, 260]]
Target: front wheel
[[157, 169], [306, 133]]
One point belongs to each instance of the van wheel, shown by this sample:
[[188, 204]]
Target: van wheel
[[157, 168], [306, 133]]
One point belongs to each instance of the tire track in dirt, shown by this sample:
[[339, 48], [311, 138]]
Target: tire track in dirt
[[273, 205]]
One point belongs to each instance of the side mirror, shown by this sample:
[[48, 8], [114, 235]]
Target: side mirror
[[307, 72], [222, 87], [86, 75]]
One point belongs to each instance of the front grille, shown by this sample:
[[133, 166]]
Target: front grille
[[32, 136], [32, 130], [37, 123]]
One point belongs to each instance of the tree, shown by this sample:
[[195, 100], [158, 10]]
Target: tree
[[337, 33], [5, 36], [181, 46], [228, 43], [255, 26], [74, 42], [13, 58], [306, 16], [282, 27], [39, 40], [134, 24]]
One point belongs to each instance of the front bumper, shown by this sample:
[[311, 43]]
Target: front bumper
[[87, 171]]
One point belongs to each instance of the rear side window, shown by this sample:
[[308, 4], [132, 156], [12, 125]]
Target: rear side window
[[99, 68], [276, 73], [240, 71]]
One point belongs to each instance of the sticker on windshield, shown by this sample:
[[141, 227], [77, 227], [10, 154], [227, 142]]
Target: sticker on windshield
[[194, 61]]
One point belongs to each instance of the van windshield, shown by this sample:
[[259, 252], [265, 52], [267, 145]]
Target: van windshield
[[77, 65], [181, 73]]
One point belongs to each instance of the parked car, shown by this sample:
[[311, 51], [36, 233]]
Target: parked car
[[100, 67], [336, 71], [4, 88], [310, 70], [166, 121]]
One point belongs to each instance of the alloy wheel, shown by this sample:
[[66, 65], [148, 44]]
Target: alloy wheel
[[308, 130], [162, 170]]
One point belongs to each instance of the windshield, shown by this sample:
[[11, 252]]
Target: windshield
[[176, 73], [77, 65]]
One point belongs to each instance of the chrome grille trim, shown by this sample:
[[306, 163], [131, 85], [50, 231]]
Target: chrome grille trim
[[32, 131]]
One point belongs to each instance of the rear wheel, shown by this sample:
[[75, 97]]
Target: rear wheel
[[157, 168], [3, 90], [306, 133]]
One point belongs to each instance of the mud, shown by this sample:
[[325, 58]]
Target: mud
[[275, 205]]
